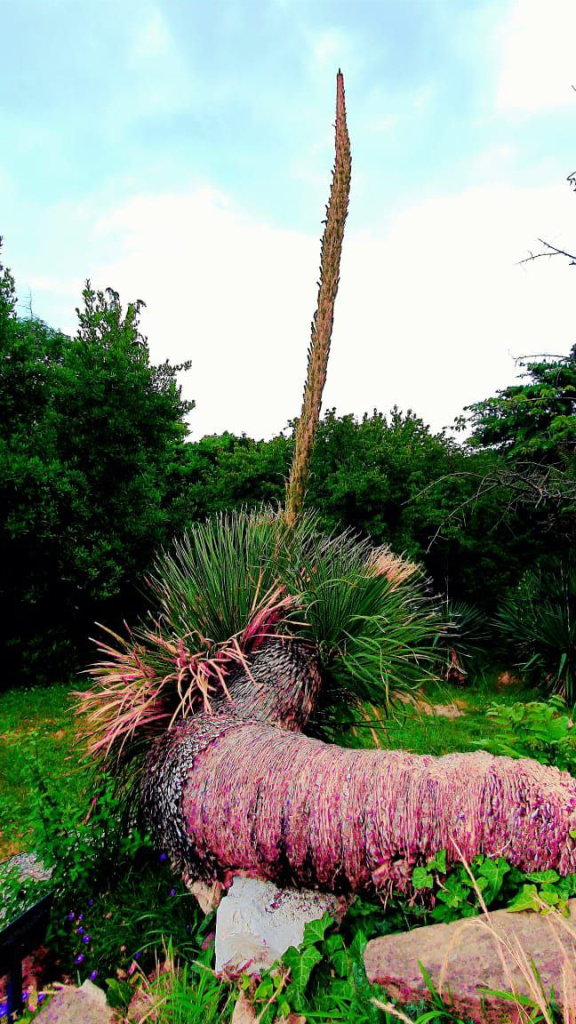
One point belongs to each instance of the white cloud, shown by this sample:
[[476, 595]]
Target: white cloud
[[328, 46], [151, 38], [431, 311], [536, 55]]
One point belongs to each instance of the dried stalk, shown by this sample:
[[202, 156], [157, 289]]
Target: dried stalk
[[319, 349]]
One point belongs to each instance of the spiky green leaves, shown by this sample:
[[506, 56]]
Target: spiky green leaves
[[235, 583]]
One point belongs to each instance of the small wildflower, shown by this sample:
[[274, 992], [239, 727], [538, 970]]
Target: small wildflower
[[79, 958], [90, 903], [172, 892], [80, 930], [93, 975], [86, 939], [71, 915], [80, 918], [162, 857], [137, 956], [41, 997], [122, 949]]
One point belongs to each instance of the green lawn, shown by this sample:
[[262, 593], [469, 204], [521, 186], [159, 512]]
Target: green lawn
[[456, 719], [37, 731]]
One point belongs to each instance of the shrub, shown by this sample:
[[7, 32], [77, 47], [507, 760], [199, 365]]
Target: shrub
[[538, 624]]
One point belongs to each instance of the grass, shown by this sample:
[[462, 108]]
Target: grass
[[36, 727], [444, 720]]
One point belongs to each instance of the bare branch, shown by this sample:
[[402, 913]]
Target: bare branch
[[549, 250]]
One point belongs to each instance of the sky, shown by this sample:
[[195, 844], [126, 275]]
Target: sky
[[180, 151]]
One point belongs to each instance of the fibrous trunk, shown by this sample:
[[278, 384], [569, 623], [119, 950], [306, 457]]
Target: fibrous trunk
[[229, 795]]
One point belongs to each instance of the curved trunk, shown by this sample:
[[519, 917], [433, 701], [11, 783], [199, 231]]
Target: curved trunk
[[227, 795]]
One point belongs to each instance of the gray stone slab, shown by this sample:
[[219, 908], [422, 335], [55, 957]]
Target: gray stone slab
[[257, 922]]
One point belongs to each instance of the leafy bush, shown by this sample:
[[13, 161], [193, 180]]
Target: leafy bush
[[538, 624], [543, 730], [492, 883], [88, 437], [115, 897]]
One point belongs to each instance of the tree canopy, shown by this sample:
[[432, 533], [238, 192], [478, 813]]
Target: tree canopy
[[88, 436]]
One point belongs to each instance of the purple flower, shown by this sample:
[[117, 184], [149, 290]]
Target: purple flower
[[137, 956], [172, 892], [80, 930], [93, 975], [86, 939], [162, 857], [79, 958], [71, 915], [41, 997], [80, 918], [90, 903]]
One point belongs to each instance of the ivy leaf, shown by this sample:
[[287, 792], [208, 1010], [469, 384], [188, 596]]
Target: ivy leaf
[[334, 943], [301, 965], [422, 879], [314, 931], [544, 877], [438, 863], [493, 871], [341, 989], [526, 899]]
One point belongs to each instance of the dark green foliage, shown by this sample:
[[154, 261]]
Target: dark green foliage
[[323, 979], [115, 897], [538, 623], [88, 435], [533, 427], [536, 420], [390, 478], [222, 472]]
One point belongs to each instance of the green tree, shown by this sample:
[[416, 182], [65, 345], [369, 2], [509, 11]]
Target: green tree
[[89, 434], [532, 425]]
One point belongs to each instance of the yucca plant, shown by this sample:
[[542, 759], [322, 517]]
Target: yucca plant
[[227, 589], [259, 615], [463, 641], [538, 624]]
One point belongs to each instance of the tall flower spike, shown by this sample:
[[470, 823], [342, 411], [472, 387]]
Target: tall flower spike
[[322, 323]]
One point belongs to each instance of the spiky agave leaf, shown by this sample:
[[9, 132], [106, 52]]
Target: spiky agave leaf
[[231, 585], [215, 576], [371, 617], [364, 609], [151, 678]]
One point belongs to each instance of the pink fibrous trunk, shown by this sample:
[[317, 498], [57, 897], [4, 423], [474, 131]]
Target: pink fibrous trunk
[[256, 799]]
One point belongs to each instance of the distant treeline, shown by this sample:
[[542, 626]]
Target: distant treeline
[[97, 473]]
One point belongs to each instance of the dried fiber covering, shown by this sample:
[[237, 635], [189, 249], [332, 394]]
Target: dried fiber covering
[[228, 795]]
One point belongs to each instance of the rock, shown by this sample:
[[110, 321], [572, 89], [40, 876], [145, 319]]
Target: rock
[[257, 922], [244, 1011], [208, 896], [72, 1005], [487, 952]]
